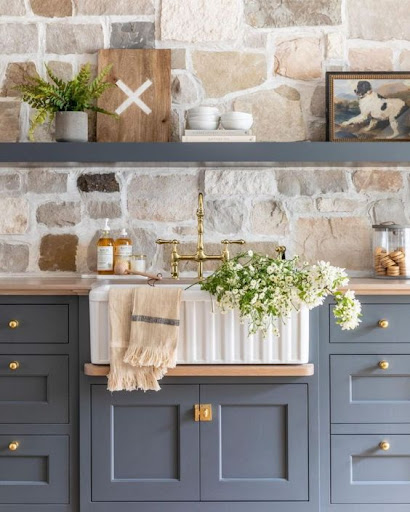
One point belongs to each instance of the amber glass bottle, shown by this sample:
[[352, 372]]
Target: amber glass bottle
[[123, 248], [105, 252]]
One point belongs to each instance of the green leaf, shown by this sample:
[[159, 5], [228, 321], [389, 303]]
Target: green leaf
[[76, 95]]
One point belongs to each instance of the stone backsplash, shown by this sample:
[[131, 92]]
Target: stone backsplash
[[266, 56], [50, 218]]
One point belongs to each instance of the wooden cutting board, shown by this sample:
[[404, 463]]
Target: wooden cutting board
[[142, 97]]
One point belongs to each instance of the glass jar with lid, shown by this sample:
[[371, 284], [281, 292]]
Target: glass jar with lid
[[391, 250]]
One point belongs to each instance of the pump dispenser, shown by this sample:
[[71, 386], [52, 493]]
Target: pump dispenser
[[123, 248], [105, 252]]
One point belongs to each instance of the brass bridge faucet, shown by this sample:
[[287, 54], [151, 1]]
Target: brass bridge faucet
[[200, 256]]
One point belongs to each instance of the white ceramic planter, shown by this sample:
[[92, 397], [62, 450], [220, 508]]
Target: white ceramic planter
[[208, 337], [71, 127]]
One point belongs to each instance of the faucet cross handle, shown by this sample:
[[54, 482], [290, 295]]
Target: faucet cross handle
[[160, 241], [174, 256], [226, 243]]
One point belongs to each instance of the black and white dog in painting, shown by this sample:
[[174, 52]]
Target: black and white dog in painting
[[375, 108]]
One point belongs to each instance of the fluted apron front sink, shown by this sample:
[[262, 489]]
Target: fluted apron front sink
[[209, 337]]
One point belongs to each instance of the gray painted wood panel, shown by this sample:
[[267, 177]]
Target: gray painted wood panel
[[38, 323], [37, 392], [361, 392], [145, 445], [37, 472], [256, 447], [363, 473], [369, 331]]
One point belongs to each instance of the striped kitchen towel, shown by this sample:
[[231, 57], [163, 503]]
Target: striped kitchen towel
[[144, 336]]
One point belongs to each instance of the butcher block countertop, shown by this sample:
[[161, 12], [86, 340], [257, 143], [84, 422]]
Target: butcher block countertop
[[76, 285]]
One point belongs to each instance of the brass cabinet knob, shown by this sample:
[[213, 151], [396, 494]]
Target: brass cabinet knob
[[203, 412], [383, 365], [384, 445], [14, 365], [383, 323], [13, 446], [13, 324]]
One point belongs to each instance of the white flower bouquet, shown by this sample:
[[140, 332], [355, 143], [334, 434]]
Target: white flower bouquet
[[266, 289]]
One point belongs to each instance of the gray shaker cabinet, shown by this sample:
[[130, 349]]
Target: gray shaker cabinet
[[364, 473], [35, 392], [365, 409], [148, 446], [37, 472], [39, 404], [256, 447], [145, 445]]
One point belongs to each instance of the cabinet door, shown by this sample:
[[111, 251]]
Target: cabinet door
[[36, 472], [364, 473], [145, 445], [256, 446]]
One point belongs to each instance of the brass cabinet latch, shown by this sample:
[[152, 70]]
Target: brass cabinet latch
[[203, 412]]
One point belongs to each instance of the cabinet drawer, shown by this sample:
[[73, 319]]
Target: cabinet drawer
[[36, 391], [363, 392], [34, 323], [370, 331], [363, 473], [145, 445], [37, 472]]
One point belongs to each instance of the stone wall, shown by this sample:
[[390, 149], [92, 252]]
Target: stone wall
[[265, 56], [51, 218]]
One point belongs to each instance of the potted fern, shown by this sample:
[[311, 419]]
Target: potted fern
[[65, 101]]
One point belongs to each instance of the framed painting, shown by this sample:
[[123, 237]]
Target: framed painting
[[368, 107]]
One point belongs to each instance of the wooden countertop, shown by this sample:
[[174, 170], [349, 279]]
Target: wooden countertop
[[219, 370], [32, 285], [76, 285]]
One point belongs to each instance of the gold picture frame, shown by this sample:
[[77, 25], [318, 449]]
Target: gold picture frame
[[368, 106]]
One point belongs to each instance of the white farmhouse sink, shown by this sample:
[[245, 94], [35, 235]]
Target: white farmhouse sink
[[210, 337]]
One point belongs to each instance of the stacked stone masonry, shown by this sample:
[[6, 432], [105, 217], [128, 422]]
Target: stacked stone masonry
[[266, 57], [52, 217]]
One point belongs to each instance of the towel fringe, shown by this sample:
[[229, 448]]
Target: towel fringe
[[130, 380], [150, 356]]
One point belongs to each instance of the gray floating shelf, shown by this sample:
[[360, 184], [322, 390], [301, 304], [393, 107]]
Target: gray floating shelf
[[260, 154]]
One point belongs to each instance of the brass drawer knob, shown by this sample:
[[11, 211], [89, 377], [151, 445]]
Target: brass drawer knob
[[384, 445], [13, 446], [13, 324], [384, 324], [14, 365], [383, 365]]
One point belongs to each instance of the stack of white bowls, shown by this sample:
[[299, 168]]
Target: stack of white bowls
[[203, 118], [237, 120]]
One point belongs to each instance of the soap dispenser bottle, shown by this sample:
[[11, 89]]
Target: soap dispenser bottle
[[123, 248], [105, 252]]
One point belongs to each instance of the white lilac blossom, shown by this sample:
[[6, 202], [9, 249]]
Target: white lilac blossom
[[266, 290]]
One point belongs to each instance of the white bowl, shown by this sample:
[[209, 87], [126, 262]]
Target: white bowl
[[203, 124], [237, 115], [237, 124], [204, 116], [203, 110]]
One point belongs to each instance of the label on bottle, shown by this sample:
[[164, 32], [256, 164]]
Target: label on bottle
[[105, 258], [123, 251]]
